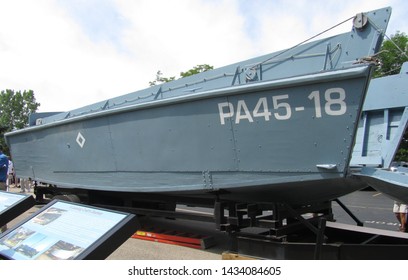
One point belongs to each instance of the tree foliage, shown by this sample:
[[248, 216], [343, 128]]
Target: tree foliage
[[160, 79], [15, 108], [402, 153], [195, 70], [393, 53]]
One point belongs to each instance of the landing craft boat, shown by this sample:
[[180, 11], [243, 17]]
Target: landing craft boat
[[276, 128]]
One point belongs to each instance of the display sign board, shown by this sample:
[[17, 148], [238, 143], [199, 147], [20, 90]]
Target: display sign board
[[64, 230], [13, 204]]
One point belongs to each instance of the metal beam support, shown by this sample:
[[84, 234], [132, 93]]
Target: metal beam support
[[359, 223]]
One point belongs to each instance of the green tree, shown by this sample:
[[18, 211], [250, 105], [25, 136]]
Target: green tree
[[392, 55], [160, 79], [195, 70], [402, 153], [15, 108]]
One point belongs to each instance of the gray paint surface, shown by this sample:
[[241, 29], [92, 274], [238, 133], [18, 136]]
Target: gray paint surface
[[384, 120]]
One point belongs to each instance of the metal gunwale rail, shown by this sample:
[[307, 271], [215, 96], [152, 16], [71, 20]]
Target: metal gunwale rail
[[331, 75]]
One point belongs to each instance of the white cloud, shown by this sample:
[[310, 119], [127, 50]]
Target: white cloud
[[175, 36], [73, 55]]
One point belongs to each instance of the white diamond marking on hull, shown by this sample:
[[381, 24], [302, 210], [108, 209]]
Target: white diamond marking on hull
[[80, 140]]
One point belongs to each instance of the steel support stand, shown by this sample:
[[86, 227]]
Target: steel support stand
[[358, 222], [320, 239]]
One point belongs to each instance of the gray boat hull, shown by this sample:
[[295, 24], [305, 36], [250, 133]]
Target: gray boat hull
[[278, 139]]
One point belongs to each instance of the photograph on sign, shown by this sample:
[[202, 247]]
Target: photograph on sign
[[60, 231]]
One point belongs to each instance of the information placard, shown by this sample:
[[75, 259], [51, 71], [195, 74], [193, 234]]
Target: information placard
[[64, 230], [13, 204]]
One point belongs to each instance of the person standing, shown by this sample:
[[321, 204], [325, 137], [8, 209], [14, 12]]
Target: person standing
[[4, 162], [10, 175], [3, 178], [400, 210], [25, 185]]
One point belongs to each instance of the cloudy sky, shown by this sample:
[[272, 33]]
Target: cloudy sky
[[76, 52]]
